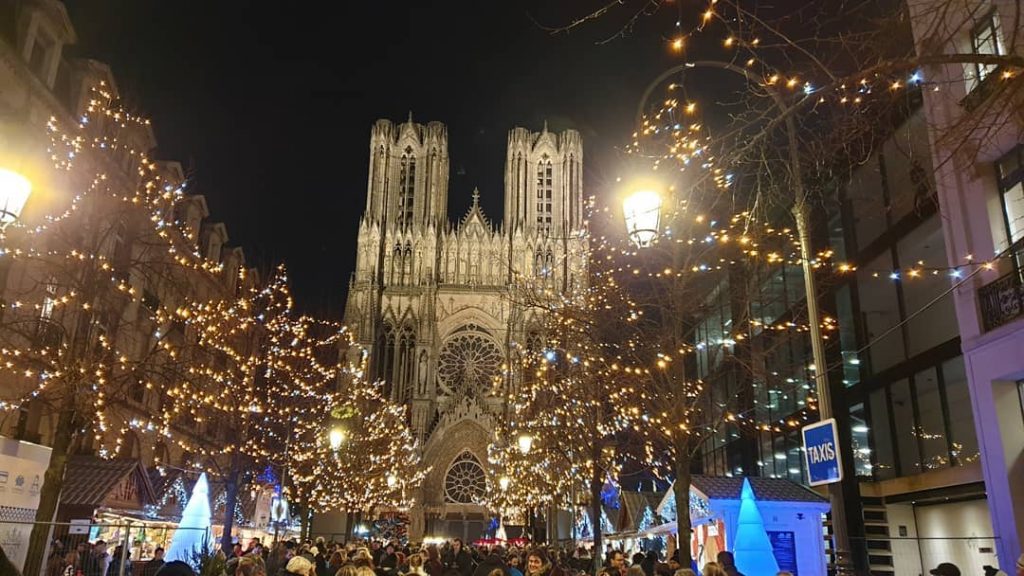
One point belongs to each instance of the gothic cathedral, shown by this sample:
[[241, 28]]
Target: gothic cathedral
[[430, 300]]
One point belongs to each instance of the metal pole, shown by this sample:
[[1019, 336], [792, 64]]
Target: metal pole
[[841, 540], [124, 548]]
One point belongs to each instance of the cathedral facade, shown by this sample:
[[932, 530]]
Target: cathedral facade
[[431, 300]]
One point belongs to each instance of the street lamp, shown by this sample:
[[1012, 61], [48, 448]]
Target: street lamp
[[14, 192], [801, 213], [504, 482], [525, 442], [336, 436], [642, 210], [392, 480]]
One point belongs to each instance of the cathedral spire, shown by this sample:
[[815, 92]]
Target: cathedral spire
[[410, 116]]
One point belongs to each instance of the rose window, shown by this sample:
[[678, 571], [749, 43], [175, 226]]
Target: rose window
[[465, 482], [469, 364]]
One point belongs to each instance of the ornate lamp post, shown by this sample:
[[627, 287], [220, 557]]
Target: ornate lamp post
[[14, 192], [642, 211]]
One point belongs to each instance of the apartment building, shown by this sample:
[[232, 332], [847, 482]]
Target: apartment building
[[42, 83]]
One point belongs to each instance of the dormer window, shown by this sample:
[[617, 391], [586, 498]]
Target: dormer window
[[40, 56]]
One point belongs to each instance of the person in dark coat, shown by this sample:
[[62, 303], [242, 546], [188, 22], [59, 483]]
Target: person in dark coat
[[649, 563], [388, 563], [458, 559], [433, 565], [494, 561], [114, 569]]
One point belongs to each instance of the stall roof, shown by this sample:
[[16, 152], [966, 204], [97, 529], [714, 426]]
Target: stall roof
[[90, 480], [726, 488], [765, 489]]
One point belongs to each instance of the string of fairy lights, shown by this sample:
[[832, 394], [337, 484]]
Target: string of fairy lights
[[552, 406], [212, 364]]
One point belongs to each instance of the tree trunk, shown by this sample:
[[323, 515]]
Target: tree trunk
[[596, 484], [230, 502], [53, 482], [304, 530], [681, 491]]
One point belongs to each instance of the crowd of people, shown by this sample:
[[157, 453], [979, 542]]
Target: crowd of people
[[375, 558], [95, 559]]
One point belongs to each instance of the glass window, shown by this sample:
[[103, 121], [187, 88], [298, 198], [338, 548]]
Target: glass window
[[869, 206], [898, 183], [884, 465], [860, 444], [795, 457], [1020, 393], [961, 419], [906, 436], [765, 464], [779, 457], [986, 38], [931, 427], [879, 308], [1012, 194], [795, 290], [920, 250], [40, 54], [847, 336], [773, 297]]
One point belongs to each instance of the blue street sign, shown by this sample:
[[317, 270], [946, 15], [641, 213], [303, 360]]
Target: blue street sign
[[821, 452]]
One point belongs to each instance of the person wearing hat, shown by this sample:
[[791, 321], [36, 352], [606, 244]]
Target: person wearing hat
[[945, 569]]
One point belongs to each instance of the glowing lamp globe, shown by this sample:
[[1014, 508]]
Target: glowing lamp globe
[[392, 480], [14, 192], [336, 436], [642, 210], [504, 481], [525, 442]]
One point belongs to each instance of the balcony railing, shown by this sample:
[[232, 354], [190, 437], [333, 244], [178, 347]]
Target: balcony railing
[[1002, 301]]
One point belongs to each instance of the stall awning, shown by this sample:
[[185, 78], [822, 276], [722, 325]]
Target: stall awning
[[117, 483]]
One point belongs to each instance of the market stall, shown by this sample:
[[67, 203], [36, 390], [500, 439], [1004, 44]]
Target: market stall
[[770, 519]]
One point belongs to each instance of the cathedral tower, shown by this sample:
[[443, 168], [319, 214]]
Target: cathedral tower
[[543, 182], [408, 180]]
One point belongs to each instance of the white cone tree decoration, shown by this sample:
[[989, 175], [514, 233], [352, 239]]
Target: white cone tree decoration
[[193, 538]]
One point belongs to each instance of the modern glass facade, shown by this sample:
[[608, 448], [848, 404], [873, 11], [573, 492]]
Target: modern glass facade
[[893, 340]]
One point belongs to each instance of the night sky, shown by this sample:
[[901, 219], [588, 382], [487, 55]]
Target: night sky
[[269, 109]]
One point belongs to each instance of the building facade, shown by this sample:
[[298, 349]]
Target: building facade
[[896, 369], [975, 131], [432, 302], [144, 271]]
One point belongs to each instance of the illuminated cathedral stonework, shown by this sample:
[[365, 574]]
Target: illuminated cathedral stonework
[[430, 298]]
